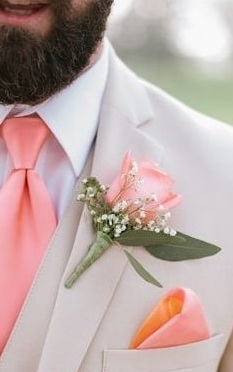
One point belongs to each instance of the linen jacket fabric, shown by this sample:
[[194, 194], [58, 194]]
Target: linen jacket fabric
[[89, 327]]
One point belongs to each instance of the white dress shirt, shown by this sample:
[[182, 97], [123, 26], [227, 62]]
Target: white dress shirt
[[72, 116]]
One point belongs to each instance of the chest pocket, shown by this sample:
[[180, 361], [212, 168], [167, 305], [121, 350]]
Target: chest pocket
[[201, 356]]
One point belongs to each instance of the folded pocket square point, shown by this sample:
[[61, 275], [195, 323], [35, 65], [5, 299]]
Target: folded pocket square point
[[160, 315], [177, 319]]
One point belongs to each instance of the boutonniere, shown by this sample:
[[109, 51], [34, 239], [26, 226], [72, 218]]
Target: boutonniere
[[135, 211]]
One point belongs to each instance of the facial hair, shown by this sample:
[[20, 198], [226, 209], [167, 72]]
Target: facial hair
[[33, 68]]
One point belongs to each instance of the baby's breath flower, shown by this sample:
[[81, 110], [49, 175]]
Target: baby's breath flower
[[125, 219], [162, 224], [167, 216], [81, 197], [173, 232], [102, 188], [117, 208], [104, 217], [124, 205], [118, 229], [151, 223], [134, 169], [166, 230]]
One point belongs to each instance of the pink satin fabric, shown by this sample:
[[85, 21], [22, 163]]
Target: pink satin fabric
[[178, 319], [27, 218]]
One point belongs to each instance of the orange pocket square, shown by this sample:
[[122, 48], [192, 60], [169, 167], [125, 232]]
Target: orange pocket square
[[178, 319]]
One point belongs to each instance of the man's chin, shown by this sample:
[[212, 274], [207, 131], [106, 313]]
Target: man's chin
[[34, 66]]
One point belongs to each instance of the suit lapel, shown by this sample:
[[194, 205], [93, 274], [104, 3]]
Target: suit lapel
[[79, 310]]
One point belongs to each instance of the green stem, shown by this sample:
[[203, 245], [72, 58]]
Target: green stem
[[97, 249]]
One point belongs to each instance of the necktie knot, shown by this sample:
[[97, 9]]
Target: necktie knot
[[24, 138]]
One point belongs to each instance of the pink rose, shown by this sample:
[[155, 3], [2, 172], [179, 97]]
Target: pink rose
[[146, 188]]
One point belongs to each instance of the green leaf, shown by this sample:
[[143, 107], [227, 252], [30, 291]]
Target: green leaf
[[139, 238], [187, 249], [141, 271]]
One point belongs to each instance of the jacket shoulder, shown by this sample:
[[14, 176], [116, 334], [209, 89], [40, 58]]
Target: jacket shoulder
[[138, 100]]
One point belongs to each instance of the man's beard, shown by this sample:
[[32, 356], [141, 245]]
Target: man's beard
[[33, 68]]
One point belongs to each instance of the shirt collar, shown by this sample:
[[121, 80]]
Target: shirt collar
[[72, 114]]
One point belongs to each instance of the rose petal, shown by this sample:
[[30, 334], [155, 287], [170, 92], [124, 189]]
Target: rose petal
[[172, 201], [112, 192], [150, 181], [127, 163], [119, 182], [153, 183]]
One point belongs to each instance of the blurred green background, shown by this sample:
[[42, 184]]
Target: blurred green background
[[211, 96], [172, 44]]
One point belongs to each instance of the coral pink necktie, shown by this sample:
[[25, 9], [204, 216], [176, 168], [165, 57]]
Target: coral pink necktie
[[27, 218]]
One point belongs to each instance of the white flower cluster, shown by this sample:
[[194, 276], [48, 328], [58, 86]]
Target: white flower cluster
[[158, 225], [112, 224], [134, 169]]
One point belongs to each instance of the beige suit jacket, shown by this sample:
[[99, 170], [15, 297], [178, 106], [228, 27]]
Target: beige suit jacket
[[89, 328]]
